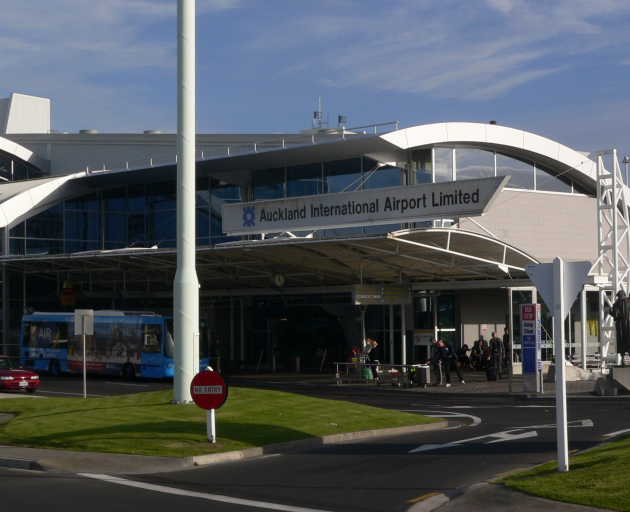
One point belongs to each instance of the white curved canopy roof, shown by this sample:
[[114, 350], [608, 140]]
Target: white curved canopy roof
[[20, 152], [19, 201]]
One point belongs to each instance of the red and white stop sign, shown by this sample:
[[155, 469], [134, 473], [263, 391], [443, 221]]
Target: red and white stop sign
[[208, 390]]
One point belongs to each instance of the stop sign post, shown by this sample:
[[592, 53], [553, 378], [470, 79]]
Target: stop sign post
[[209, 391]]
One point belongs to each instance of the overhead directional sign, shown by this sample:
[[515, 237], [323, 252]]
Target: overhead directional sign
[[452, 199]]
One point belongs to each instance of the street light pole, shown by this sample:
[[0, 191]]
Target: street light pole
[[186, 284]]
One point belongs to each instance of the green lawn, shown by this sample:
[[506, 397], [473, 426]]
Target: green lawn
[[148, 424], [598, 478]]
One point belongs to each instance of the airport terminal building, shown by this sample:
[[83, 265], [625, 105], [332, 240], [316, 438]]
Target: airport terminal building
[[88, 221]]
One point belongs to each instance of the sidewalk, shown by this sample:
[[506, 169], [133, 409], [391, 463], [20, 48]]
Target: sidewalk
[[488, 497], [476, 385]]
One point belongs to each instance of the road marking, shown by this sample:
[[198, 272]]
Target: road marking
[[577, 423], [508, 472], [424, 497], [128, 384], [74, 394], [576, 450], [500, 437], [617, 433], [446, 415], [193, 494]]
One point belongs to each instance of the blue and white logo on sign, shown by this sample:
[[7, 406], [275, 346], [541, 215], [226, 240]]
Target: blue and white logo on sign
[[249, 216]]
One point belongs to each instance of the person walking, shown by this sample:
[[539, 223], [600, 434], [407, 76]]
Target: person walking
[[446, 354], [506, 347], [497, 351], [437, 365], [369, 348]]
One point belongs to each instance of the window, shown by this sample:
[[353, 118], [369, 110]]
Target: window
[[547, 181], [474, 163], [421, 166], [521, 172], [268, 183], [304, 180], [443, 164], [387, 176], [342, 176]]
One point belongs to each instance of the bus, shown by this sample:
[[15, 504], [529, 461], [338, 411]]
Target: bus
[[131, 344]]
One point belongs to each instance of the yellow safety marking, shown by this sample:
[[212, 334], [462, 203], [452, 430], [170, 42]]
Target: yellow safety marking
[[510, 471], [576, 450], [415, 500]]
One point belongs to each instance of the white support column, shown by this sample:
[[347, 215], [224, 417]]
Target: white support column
[[186, 284], [231, 328], [561, 390], [403, 332], [583, 314], [242, 308], [391, 334]]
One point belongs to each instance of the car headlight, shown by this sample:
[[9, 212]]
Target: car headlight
[[35, 377], [6, 378]]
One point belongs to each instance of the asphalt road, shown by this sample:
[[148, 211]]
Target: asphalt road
[[487, 437]]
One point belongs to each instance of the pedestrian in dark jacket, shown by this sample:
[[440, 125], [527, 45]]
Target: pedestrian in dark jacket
[[496, 347], [446, 354], [476, 355]]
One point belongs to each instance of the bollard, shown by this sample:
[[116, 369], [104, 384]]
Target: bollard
[[273, 364], [297, 364]]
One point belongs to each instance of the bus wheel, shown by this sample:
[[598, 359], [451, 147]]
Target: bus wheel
[[129, 372], [55, 367]]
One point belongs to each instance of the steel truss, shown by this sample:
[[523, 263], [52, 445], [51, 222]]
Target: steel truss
[[613, 225]]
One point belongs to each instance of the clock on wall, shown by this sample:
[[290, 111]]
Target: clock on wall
[[278, 279]]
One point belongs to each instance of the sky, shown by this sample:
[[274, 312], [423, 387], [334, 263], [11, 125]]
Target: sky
[[558, 68]]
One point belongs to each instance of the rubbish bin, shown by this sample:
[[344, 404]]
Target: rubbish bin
[[423, 375]]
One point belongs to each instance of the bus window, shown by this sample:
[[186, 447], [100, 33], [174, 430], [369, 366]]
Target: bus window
[[151, 338], [169, 344], [45, 334]]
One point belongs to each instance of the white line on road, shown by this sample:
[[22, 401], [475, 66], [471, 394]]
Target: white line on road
[[446, 415], [617, 433], [499, 437], [127, 384], [193, 494], [74, 394]]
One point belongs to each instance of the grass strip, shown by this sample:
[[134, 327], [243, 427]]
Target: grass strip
[[597, 478], [147, 424]]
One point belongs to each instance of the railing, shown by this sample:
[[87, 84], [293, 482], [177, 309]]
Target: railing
[[243, 149]]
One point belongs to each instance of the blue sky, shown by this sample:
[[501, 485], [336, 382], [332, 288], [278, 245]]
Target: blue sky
[[558, 68]]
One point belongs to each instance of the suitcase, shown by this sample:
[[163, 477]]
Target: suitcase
[[491, 373]]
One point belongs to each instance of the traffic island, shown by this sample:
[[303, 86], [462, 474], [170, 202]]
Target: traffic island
[[147, 424]]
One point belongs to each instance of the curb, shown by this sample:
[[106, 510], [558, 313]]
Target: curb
[[434, 502], [204, 460]]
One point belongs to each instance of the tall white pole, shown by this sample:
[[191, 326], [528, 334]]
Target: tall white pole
[[186, 285], [561, 389]]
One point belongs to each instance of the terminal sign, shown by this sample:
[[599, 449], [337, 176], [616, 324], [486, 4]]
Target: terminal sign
[[388, 205]]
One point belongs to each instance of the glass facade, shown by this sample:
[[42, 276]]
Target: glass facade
[[144, 215], [13, 170]]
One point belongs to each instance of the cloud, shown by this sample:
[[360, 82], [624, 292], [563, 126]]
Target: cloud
[[448, 49]]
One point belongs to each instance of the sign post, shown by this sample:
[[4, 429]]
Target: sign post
[[558, 284], [209, 391], [530, 342], [84, 326]]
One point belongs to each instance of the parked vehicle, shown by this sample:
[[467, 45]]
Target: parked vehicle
[[131, 344], [14, 376]]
